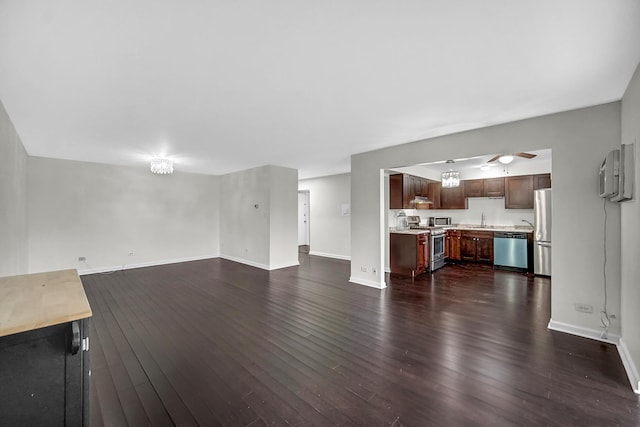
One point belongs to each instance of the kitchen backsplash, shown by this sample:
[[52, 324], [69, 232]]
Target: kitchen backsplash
[[493, 208]]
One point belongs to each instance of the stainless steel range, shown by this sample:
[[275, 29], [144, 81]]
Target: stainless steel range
[[436, 241], [436, 248]]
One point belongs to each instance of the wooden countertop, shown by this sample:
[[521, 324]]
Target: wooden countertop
[[33, 301]]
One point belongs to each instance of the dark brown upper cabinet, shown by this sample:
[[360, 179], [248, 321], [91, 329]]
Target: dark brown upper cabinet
[[494, 187], [403, 189], [395, 191], [474, 188], [541, 181], [489, 187], [518, 192], [453, 198]]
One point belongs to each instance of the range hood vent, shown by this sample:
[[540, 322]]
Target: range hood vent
[[422, 200]]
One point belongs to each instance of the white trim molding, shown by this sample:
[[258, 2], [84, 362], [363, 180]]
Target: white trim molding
[[627, 360], [327, 255], [142, 264], [629, 366], [366, 282], [257, 264], [593, 334]]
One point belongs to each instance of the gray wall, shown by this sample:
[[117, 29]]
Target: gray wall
[[283, 224], [104, 212], [13, 199], [579, 140], [630, 223], [329, 230], [258, 210]]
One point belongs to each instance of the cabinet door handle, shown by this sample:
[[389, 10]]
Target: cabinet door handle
[[75, 337]]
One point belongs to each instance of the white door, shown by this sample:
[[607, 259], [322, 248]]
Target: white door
[[303, 218]]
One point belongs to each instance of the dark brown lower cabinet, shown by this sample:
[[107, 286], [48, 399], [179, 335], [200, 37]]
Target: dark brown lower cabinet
[[453, 242], [476, 246], [409, 253], [44, 376]]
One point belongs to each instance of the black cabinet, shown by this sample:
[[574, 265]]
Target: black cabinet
[[45, 376], [44, 350]]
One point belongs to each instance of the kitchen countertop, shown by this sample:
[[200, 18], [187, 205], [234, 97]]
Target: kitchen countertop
[[33, 301], [469, 227], [473, 227], [414, 231]]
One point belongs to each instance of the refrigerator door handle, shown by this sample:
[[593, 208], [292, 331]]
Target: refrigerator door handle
[[544, 244]]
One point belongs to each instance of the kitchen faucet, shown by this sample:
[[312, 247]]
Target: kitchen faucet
[[524, 220]]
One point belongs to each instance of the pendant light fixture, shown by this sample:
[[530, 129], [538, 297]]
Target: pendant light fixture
[[161, 165], [451, 178]]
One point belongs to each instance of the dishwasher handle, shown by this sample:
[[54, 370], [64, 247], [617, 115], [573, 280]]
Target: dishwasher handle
[[509, 235]]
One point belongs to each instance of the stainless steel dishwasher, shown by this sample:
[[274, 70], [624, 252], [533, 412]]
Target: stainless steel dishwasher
[[510, 250]]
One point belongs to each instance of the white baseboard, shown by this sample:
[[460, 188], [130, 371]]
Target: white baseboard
[[143, 264], [627, 361], [593, 334], [629, 366], [256, 264], [366, 282], [285, 265], [328, 255]]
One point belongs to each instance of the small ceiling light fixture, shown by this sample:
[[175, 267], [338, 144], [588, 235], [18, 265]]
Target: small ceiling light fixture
[[505, 160], [161, 165], [450, 179]]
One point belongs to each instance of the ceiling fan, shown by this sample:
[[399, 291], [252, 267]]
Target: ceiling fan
[[508, 158]]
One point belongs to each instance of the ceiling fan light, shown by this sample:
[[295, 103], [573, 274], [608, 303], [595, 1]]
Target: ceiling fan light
[[505, 160]]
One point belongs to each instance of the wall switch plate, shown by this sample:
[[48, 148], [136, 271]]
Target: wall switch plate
[[82, 258]]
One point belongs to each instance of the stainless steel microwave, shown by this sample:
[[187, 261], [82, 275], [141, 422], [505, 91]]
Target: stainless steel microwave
[[439, 220]]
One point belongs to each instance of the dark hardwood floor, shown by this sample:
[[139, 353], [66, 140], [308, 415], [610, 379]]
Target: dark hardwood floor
[[214, 342]]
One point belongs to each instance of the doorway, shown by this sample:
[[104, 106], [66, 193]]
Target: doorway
[[303, 221]]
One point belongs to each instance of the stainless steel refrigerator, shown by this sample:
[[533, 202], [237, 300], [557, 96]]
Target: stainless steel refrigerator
[[542, 232]]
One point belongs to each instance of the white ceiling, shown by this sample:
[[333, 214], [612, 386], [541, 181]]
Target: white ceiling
[[540, 156], [225, 86]]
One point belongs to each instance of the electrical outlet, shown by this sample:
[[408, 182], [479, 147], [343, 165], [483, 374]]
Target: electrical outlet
[[82, 258], [373, 271], [583, 308], [363, 269], [131, 252]]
